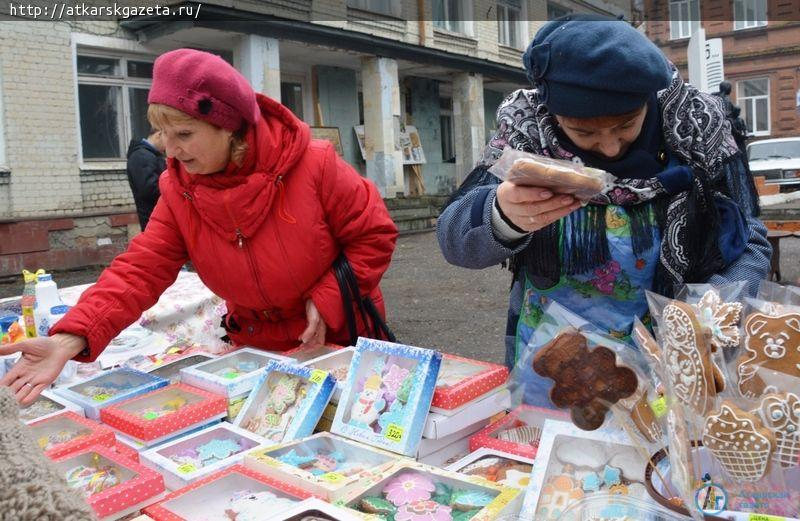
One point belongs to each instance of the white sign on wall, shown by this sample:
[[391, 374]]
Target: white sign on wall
[[706, 67]]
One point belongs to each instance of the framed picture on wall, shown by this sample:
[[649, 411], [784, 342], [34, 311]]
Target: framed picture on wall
[[329, 134], [411, 145]]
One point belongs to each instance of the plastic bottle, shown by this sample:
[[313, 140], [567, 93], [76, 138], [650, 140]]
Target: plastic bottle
[[28, 302], [49, 308]]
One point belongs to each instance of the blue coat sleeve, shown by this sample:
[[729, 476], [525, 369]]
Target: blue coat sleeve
[[464, 228], [754, 263]]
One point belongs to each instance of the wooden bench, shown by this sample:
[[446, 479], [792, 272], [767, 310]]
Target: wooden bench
[[777, 231]]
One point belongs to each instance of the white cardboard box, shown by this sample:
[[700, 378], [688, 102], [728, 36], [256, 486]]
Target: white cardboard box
[[438, 425]]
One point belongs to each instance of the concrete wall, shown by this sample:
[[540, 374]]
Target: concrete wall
[[491, 100], [338, 99]]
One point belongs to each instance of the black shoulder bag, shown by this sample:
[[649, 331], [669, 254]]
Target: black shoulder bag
[[353, 302]]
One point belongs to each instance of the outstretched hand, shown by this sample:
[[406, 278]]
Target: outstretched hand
[[41, 362]]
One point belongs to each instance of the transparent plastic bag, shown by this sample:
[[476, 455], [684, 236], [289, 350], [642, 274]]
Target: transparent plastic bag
[[560, 176]]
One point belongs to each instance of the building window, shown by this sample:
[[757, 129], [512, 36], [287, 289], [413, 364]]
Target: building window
[[446, 130], [451, 15], [112, 103], [556, 11], [388, 7], [684, 18], [292, 97], [509, 14], [749, 13], [753, 97]]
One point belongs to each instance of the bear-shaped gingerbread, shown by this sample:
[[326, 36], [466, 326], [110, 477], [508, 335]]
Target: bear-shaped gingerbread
[[771, 343]]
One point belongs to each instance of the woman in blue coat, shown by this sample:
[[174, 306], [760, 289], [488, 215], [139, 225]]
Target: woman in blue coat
[[682, 209]]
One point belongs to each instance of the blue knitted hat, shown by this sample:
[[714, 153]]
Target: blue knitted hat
[[587, 66]]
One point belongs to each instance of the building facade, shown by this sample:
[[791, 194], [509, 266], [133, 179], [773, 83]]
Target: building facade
[[407, 88], [761, 53]]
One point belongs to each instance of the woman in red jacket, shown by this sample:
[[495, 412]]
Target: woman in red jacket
[[260, 209]]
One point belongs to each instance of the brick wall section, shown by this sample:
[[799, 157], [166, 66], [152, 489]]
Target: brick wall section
[[39, 100], [105, 190], [770, 52]]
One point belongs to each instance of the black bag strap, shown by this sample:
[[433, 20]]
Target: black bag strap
[[352, 301]]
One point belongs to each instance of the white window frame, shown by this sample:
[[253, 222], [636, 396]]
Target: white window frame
[[308, 103], [565, 10], [464, 25], [684, 18], [449, 114], [4, 166], [740, 8], [395, 7], [750, 101], [522, 36]]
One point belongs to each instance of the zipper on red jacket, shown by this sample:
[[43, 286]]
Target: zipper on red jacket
[[250, 262]]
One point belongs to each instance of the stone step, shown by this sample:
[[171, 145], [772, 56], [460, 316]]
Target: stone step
[[414, 213], [416, 225]]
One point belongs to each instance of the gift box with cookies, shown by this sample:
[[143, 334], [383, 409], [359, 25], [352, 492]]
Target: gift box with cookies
[[48, 404], [462, 380], [67, 432], [337, 364], [517, 433], [313, 509], [164, 414], [109, 387], [187, 459], [508, 470], [233, 493], [286, 403], [231, 375], [114, 486], [416, 491], [172, 370], [573, 464], [324, 464], [303, 354], [388, 395], [561, 176]]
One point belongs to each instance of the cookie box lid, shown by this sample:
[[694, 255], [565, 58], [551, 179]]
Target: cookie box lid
[[231, 374], [109, 387], [172, 370], [318, 510], [234, 492], [164, 412], [503, 468], [304, 354], [199, 454], [462, 380], [67, 432], [48, 404], [286, 403], [416, 488], [518, 432], [388, 395], [110, 482], [323, 464]]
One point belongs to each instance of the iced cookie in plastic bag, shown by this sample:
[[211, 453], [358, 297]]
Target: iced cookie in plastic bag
[[560, 176]]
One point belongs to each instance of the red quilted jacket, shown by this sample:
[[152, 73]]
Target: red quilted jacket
[[262, 236]]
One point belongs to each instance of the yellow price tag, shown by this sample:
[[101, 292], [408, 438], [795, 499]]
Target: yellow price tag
[[101, 397], [393, 433], [187, 468], [659, 406], [765, 517], [332, 477], [173, 350], [318, 376]]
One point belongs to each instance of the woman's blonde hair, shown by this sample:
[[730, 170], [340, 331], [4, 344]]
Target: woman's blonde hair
[[159, 115]]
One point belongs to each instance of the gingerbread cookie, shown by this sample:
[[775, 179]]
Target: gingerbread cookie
[[687, 358], [587, 381], [562, 178], [721, 318], [739, 441], [646, 342], [645, 419], [772, 343], [780, 413]]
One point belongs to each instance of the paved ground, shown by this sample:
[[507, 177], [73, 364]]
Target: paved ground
[[433, 304]]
